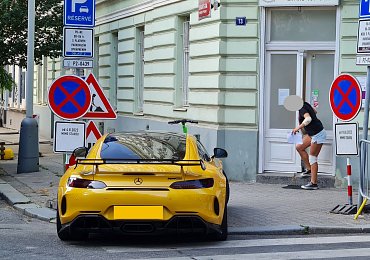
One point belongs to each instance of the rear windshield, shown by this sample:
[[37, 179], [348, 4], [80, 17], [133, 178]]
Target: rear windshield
[[144, 146]]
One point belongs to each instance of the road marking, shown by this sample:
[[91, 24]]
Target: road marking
[[314, 254], [239, 243]]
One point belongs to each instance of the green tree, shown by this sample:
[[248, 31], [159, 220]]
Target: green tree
[[13, 34]]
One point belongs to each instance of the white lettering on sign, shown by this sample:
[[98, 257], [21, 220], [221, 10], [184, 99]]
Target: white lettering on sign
[[363, 40], [79, 18], [78, 42]]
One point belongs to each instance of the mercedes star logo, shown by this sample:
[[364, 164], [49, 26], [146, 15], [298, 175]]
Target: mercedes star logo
[[138, 181]]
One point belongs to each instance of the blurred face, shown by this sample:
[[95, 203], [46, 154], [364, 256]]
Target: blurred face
[[293, 103]]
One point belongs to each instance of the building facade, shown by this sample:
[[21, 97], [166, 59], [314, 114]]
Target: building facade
[[157, 61]]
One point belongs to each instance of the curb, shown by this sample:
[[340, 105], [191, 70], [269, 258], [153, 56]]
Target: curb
[[297, 230], [23, 204]]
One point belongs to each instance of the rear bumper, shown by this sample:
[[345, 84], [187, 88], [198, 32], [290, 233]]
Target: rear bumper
[[180, 224], [83, 202]]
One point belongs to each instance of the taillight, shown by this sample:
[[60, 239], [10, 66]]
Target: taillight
[[83, 183], [193, 184]]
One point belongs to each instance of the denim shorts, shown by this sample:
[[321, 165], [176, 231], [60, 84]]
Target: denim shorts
[[319, 138]]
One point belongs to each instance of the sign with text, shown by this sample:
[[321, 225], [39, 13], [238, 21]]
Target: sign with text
[[363, 38], [68, 136], [76, 63], [78, 42], [298, 2], [204, 9], [364, 9], [79, 13], [346, 138], [241, 21], [363, 60]]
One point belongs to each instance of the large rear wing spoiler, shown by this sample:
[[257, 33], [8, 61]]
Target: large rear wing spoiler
[[181, 163]]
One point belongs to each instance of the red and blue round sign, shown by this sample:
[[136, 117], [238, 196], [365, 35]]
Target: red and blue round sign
[[345, 97], [69, 97]]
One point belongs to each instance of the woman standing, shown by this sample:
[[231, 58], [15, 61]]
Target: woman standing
[[314, 138]]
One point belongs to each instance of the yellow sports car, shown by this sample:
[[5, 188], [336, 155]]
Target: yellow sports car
[[144, 183]]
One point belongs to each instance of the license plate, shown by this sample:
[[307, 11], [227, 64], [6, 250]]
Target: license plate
[[138, 212]]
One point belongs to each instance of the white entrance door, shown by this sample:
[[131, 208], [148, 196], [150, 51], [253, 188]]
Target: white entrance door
[[306, 74], [319, 76], [282, 79]]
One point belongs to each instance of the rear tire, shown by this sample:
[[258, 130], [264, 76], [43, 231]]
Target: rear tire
[[67, 234], [224, 227], [227, 188]]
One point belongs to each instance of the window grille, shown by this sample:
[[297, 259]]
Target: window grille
[[140, 90], [185, 65]]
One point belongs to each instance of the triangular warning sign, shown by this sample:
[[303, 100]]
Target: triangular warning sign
[[92, 134], [100, 107]]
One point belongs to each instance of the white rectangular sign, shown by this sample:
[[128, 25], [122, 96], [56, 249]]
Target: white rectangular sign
[[298, 2], [363, 37], [77, 63], [363, 60], [78, 42], [346, 138], [69, 136]]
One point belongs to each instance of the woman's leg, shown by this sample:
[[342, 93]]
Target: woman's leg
[[301, 149], [314, 151]]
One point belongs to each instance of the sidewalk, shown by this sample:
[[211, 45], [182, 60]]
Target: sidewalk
[[254, 208]]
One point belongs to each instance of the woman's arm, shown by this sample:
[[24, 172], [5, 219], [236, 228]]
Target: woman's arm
[[306, 121]]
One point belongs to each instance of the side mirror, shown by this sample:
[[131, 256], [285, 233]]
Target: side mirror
[[80, 152], [219, 153]]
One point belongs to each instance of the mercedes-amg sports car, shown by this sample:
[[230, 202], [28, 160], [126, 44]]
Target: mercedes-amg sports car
[[144, 183]]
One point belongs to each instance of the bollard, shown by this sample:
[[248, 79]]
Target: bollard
[[2, 150], [349, 189]]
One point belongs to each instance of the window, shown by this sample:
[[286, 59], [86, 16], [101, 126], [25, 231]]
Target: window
[[139, 93], [185, 62], [182, 71], [144, 145], [96, 57], [114, 71], [303, 24], [203, 152]]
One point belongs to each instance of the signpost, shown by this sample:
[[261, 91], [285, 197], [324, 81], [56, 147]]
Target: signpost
[[79, 13], [68, 136], [100, 107], [346, 138], [92, 134], [78, 42], [204, 9], [77, 63], [345, 97], [362, 45], [69, 97]]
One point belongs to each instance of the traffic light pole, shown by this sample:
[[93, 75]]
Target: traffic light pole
[[28, 155]]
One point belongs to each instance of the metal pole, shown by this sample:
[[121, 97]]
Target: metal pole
[[30, 58], [365, 135], [28, 156], [349, 187]]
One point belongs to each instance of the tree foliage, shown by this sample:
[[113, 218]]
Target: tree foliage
[[14, 28]]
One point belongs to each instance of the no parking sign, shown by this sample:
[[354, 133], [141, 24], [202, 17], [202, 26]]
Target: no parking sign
[[69, 97], [345, 97]]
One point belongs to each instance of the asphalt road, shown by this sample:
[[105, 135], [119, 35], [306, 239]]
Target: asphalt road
[[22, 237]]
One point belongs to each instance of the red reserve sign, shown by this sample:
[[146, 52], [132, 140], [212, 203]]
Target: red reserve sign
[[204, 9]]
